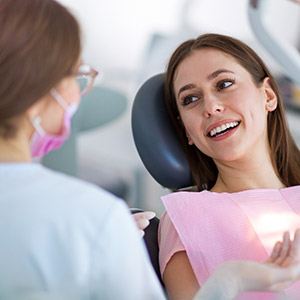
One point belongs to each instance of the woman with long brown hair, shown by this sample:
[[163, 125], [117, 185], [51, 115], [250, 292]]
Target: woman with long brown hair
[[229, 116]]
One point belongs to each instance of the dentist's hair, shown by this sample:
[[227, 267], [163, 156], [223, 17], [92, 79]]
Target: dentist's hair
[[39, 46], [284, 152]]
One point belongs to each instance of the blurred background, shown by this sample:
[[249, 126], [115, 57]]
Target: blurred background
[[127, 41]]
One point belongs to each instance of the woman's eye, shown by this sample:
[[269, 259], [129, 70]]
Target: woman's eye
[[189, 99], [224, 84]]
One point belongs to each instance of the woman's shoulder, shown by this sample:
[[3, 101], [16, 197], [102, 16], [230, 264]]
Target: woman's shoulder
[[80, 193], [68, 181], [70, 207], [38, 185]]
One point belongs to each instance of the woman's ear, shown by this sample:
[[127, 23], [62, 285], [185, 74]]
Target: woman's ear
[[36, 108], [33, 111], [270, 96]]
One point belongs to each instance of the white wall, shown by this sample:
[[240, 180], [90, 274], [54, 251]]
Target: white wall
[[116, 31]]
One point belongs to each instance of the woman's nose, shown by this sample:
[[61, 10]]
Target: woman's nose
[[212, 106]]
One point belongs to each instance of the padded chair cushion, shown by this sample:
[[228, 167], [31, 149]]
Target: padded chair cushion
[[155, 138]]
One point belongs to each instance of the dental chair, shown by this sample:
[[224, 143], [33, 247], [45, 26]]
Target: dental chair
[[159, 150]]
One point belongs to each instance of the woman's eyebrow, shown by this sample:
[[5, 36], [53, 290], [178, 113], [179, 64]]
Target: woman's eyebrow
[[185, 88], [209, 77], [217, 73]]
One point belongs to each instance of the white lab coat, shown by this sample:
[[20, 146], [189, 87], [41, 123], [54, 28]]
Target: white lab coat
[[62, 238]]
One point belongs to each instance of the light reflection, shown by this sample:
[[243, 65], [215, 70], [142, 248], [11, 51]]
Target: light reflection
[[271, 226]]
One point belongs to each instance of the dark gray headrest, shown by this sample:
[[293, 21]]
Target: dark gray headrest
[[155, 138]]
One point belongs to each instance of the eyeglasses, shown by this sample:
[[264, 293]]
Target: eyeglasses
[[85, 77]]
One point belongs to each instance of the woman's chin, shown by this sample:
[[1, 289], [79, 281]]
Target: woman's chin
[[228, 157]]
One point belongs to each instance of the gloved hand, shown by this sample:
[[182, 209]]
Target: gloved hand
[[142, 220], [278, 272]]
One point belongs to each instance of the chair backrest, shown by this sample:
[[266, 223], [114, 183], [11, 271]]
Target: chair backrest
[[155, 137]]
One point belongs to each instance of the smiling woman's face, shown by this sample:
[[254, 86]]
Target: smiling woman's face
[[223, 111]]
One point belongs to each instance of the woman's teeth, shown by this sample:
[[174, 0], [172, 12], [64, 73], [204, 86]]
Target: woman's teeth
[[222, 128]]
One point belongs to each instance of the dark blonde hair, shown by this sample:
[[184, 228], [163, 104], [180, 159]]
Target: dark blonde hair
[[284, 152], [39, 46]]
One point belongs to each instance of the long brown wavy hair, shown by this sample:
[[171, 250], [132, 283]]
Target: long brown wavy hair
[[285, 154]]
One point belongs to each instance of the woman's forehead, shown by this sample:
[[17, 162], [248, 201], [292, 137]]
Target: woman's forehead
[[206, 59], [202, 62]]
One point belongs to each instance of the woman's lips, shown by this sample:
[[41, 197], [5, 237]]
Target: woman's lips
[[225, 133]]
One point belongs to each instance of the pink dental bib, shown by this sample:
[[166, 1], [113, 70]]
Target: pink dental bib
[[216, 227]]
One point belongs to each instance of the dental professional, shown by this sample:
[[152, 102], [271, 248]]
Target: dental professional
[[61, 238]]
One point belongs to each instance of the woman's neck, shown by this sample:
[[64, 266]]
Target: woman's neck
[[246, 174], [15, 149]]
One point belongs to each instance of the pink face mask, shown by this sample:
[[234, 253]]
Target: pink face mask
[[42, 142]]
